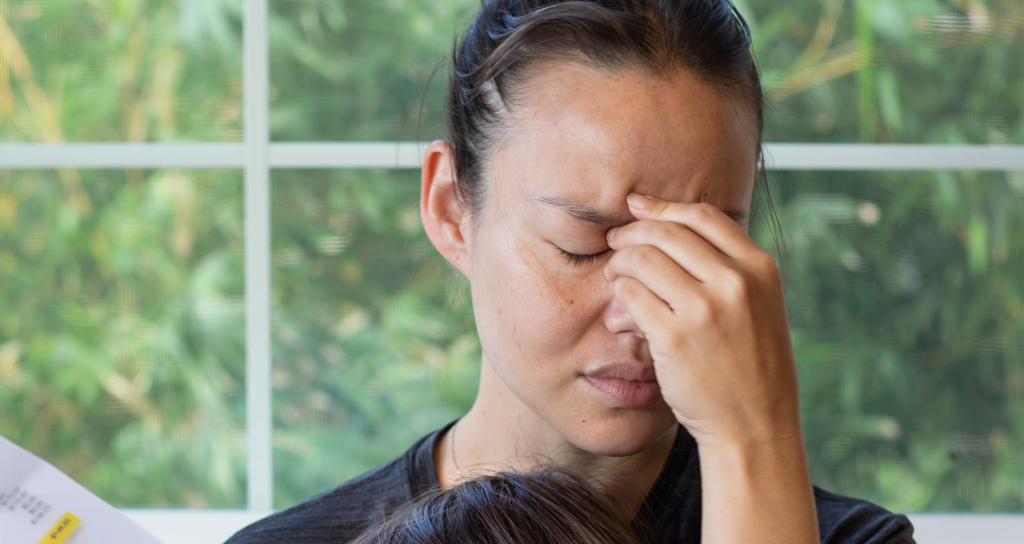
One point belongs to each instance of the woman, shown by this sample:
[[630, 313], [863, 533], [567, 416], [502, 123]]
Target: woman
[[548, 506], [596, 193]]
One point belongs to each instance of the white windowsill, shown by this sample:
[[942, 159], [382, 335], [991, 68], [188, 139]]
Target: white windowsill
[[193, 526]]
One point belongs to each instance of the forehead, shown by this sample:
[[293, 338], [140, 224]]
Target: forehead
[[596, 136]]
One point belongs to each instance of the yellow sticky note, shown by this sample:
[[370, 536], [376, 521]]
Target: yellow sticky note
[[62, 529]]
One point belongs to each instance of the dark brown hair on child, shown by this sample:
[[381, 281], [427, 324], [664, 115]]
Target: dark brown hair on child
[[551, 505]]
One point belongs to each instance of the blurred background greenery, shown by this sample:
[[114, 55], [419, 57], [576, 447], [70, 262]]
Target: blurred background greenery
[[122, 352]]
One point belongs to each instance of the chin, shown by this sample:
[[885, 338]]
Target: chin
[[620, 432]]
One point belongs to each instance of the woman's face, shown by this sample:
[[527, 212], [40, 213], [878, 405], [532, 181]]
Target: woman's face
[[579, 142]]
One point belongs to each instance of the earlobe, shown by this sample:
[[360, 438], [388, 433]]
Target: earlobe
[[440, 210]]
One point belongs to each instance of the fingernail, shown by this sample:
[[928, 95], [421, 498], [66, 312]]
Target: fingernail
[[637, 201], [611, 233]]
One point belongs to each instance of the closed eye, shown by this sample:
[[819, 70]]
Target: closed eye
[[580, 260]]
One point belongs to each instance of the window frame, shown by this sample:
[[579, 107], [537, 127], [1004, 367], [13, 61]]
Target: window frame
[[257, 156]]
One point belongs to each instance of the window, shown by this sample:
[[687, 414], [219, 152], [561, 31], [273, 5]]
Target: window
[[213, 267]]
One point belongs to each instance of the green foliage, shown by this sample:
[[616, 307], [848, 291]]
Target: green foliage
[[927, 71], [126, 70], [122, 353], [908, 330], [122, 335], [374, 339], [358, 70]]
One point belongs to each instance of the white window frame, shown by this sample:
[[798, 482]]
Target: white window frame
[[257, 156]]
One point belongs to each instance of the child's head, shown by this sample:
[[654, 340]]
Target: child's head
[[547, 506]]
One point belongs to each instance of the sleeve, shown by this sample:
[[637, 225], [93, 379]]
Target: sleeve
[[845, 520]]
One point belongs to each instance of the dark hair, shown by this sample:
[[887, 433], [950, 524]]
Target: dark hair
[[550, 505], [707, 37]]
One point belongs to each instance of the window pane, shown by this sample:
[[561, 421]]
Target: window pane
[[903, 72], [144, 70], [374, 339], [122, 351], [906, 303], [357, 70], [835, 71]]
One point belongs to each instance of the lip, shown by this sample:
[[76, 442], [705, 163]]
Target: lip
[[625, 385], [624, 371]]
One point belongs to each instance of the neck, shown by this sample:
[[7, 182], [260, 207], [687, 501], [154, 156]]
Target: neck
[[501, 433]]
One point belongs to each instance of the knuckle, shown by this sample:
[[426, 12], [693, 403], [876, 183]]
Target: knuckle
[[737, 285], [766, 266], [703, 210], [768, 263], [659, 208], [667, 231], [643, 254], [701, 310]]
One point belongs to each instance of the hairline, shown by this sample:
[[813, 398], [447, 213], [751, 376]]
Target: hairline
[[545, 65]]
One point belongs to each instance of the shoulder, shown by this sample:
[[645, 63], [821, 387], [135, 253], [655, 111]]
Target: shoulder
[[846, 520], [338, 515]]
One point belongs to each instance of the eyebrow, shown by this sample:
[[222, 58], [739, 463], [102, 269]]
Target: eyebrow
[[585, 213]]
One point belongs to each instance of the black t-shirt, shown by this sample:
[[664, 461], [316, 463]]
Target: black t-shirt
[[674, 503]]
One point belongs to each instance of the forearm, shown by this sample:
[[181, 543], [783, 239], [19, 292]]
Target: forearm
[[757, 494]]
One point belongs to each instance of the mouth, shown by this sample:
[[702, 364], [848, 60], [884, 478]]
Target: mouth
[[625, 385]]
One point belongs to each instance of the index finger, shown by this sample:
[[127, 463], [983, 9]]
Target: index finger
[[709, 222]]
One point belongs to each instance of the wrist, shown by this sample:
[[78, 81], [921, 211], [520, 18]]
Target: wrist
[[757, 491], [751, 457], [759, 441]]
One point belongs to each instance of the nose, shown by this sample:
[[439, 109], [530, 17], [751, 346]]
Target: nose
[[617, 319]]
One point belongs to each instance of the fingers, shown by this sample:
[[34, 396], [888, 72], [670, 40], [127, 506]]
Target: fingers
[[687, 249], [659, 274], [648, 310], [704, 219]]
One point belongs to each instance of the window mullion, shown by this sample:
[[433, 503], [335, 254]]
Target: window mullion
[[256, 104]]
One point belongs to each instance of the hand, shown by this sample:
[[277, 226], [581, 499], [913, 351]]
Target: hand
[[710, 304]]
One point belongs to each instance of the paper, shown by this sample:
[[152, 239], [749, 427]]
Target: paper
[[41, 505]]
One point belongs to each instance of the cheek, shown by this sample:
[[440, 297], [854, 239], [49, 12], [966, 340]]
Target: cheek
[[529, 309]]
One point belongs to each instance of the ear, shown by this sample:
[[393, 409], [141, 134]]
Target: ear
[[440, 211]]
